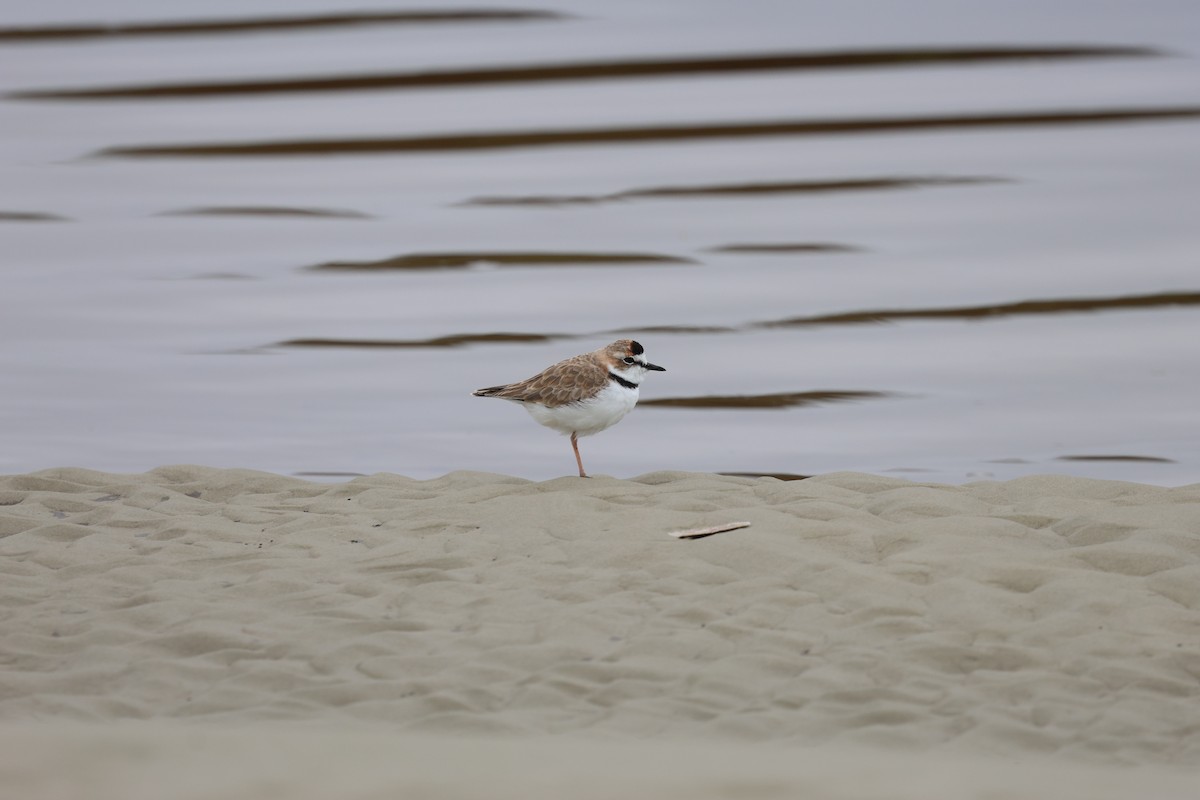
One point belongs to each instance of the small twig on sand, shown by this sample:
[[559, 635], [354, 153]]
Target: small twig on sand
[[700, 533]]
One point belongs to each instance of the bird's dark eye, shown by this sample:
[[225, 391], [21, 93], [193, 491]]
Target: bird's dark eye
[[627, 360]]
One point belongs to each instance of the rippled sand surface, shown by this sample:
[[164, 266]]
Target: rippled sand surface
[[203, 632]]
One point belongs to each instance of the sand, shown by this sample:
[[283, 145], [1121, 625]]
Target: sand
[[197, 632]]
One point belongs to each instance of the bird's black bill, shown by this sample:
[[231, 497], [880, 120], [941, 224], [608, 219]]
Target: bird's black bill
[[655, 367]]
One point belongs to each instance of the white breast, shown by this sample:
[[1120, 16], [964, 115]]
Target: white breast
[[590, 416]]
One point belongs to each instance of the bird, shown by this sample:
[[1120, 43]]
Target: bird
[[584, 394]]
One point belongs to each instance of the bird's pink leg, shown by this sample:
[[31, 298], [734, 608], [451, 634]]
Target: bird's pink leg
[[578, 460]]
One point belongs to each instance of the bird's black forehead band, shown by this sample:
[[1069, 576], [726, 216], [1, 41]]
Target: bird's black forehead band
[[636, 348]]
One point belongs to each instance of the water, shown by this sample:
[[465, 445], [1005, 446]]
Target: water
[[942, 240]]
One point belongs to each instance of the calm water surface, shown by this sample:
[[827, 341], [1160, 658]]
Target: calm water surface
[[942, 240]]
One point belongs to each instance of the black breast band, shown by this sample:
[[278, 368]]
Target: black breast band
[[622, 381]]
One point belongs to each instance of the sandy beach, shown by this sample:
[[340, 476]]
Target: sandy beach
[[197, 632]]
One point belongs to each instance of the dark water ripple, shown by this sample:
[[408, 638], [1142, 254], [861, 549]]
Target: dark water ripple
[[872, 184], [428, 261], [31, 216], [455, 340], [785, 248], [651, 133], [266, 211], [777, 400], [85, 31], [595, 70], [676, 329], [465, 339], [1025, 307], [1141, 459]]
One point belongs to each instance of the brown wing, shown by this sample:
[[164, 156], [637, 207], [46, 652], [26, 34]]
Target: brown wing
[[566, 382]]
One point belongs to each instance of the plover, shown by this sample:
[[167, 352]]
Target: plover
[[582, 395]]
